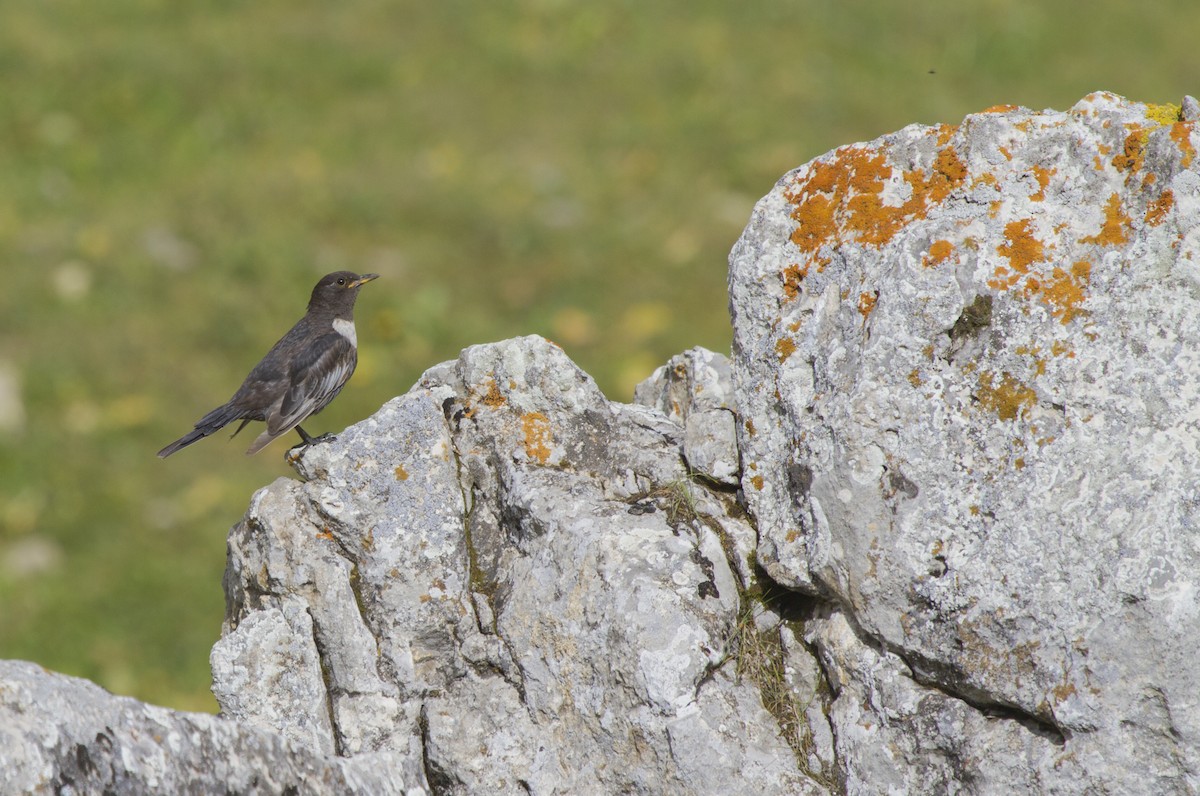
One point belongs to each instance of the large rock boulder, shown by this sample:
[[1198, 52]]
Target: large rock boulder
[[514, 583], [967, 367]]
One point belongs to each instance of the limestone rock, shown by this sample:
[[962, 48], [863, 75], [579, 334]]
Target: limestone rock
[[290, 700], [59, 734], [695, 390], [966, 368], [896, 735], [511, 581]]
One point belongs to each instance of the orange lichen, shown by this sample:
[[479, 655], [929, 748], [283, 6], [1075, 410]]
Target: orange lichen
[[987, 178], [842, 198], [1156, 213], [401, 473], [939, 251], [1133, 154], [493, 397], [1007, 398], [784, 348], [1000, 109], [1021, 247], [1022, 250], [1033, 352], [1181, 134], [817, 196], [866, 303], [948, 173], [1112, 232], [538, 439], [1042, 175], [1004, 151], [914, 378], [1065, 290], [750, 428], [758, 482], [868, 215], [792, 276]]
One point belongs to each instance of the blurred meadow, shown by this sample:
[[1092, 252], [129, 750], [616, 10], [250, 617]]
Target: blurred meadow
[[175, 176]]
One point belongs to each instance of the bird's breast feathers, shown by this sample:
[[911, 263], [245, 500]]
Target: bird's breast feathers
[[346, 329]]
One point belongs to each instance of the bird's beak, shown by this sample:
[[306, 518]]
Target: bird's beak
[[364, 279]]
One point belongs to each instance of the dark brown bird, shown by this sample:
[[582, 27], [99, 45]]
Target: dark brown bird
[[301, 373]]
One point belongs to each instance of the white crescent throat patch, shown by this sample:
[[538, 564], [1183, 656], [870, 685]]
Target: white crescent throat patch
[[346, 329]]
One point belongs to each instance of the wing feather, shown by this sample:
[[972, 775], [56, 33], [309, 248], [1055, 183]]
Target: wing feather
[[317, 374]]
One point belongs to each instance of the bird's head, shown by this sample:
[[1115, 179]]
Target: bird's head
[[337, 291]]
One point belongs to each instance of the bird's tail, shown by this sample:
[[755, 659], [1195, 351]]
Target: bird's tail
[[212, 422]]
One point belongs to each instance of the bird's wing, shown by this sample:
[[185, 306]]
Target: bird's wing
[[316, 375]]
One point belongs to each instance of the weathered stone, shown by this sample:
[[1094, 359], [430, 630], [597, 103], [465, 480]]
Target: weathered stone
[[514, 581], [967, 370], [1189, 110], [249, 682], [59, 734], [808, 696], [695, 390], [895, 735]]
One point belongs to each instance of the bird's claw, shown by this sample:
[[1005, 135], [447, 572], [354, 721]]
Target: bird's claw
[[295, 452]]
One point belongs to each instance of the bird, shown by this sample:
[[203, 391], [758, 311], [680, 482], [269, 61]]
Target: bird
[[301, 373]]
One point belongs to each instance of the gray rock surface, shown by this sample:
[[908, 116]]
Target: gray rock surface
[[695, 390], [967, 370], [63, 735], [511, 582]]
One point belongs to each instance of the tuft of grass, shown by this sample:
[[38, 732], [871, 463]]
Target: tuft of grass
[[759, 653], [678, 501], [761, 660]]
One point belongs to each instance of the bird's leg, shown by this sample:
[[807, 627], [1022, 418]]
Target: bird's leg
[[296, 451], [313, 440], [298, 448]]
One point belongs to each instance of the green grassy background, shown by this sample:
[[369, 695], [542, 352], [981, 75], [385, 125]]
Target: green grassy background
[[175, 175]]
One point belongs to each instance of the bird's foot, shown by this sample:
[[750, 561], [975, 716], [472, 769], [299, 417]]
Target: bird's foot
[[296, 452]]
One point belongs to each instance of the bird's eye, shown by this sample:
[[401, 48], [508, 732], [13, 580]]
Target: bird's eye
[[341, 281]]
